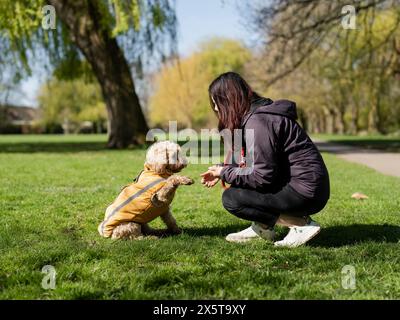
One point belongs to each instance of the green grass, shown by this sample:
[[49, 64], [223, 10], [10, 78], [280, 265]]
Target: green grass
[[53, 195], [379, 142]]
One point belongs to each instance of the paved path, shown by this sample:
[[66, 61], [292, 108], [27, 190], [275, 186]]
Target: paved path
[[385, 162]]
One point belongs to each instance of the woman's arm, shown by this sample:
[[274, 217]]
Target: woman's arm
[[261, 157]]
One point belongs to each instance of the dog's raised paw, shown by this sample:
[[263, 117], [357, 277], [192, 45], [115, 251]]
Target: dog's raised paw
[[186, 181]]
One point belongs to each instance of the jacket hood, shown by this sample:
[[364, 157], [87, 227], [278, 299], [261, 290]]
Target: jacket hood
[[284, 108]]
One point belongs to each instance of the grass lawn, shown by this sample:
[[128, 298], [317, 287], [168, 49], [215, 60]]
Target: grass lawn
[[53, 194]]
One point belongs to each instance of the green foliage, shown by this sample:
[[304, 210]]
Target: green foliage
[[221, 55], [72, 67], [158, 15], [144, 26], [72, 102], [348, 84], [18, 22], [60, 187], [128, 14], [181, 87], [136, 13], [122, 17], [20, 18]]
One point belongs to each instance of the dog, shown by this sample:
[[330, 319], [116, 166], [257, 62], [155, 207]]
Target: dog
[[149, 197]]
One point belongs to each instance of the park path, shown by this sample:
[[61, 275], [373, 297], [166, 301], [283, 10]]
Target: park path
[[385, 162]]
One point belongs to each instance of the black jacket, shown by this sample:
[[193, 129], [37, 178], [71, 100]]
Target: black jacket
[[278, 151]]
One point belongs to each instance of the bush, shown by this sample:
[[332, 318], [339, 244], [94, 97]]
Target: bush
[[53, 128], [10, 129]]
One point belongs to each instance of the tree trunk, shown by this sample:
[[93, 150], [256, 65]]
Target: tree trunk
[[353, 125], [372, 120], [373, 115], [340, 126], [303, 120], [127, 124], [311, 123], [321, 122], [329, 121]]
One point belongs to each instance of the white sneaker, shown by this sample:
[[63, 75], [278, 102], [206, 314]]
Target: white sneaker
[[253, 232], [298, 236]]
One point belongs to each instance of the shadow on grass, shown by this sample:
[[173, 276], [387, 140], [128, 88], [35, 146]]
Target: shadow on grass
[[55, 147], [339, 236], [84, 146], [387, 145], [213, 231]]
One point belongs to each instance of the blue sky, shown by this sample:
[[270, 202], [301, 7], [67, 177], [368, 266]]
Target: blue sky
[[198, 21], [201, 19]]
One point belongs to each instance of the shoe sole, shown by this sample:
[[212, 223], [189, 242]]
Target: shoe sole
[[242, 240], [258, 237], [247, 240], [302, 244]]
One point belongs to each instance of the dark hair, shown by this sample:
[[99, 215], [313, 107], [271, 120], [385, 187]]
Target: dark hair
[[233, 97]]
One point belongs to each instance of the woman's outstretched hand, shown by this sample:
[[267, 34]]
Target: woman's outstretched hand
[[212, 176]]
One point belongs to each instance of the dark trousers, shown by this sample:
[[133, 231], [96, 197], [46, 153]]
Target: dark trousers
[[266, 208]]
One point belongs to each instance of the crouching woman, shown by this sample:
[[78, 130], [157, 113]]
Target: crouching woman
[[284, 180]]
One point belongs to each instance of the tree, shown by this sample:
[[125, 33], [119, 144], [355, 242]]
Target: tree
[[98, 29], [180, 88], [344, 80], [69, 103], [293, 30]]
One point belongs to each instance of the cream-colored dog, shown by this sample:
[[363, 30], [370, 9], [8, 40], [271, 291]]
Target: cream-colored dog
[[149, 196]]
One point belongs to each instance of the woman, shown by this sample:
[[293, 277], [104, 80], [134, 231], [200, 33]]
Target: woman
[[284, 180]]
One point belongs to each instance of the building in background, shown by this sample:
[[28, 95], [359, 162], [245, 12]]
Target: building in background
[[16, 120]]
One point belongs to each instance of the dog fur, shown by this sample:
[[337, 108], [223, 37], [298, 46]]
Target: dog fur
[[164, 158]]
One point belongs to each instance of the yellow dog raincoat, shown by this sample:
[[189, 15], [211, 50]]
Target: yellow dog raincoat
[[134, 203]]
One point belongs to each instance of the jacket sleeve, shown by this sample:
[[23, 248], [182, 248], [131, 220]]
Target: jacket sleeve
[[261, 157]]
